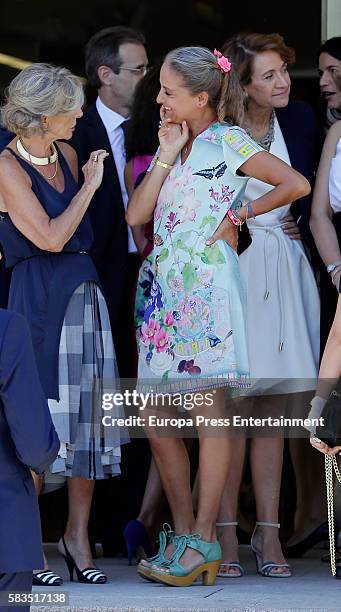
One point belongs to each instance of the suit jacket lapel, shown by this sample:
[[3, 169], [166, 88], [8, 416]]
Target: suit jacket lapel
[[99, 136], [291, 137], [100, 140]]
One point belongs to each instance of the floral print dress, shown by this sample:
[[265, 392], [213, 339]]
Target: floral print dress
[[190, 298]]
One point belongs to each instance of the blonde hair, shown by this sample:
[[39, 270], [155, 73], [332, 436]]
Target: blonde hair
[[40, 90], [199, 70]]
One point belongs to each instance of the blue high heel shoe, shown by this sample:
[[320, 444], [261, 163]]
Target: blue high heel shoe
[[136, 538]]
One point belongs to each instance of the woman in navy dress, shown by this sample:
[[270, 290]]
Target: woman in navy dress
[[46, 236]]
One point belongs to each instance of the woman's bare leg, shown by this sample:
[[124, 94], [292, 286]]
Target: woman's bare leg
[[266, 465], [38, 484], [80, 492], [153, 498], [213, 466], [229, 505], [172, 464], [172, 461], [311, 509], [214, 452]]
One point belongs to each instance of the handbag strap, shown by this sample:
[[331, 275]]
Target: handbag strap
[[330, 463]]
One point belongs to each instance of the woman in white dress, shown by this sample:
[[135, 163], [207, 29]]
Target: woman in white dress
[[282, 305], [326, 228], [326, 207]]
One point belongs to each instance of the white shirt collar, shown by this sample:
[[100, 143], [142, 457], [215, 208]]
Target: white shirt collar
[[110, 118]]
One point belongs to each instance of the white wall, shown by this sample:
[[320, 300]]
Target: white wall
[[330, 19]]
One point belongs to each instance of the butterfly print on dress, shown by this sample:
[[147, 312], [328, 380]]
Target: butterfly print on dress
[[215, 172]]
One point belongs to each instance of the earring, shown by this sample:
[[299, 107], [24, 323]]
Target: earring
[[44, 124]]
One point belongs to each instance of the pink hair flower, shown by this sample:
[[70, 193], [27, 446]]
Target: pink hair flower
[[222, 61]]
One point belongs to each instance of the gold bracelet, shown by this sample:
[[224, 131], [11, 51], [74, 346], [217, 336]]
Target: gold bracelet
[[163, 164]]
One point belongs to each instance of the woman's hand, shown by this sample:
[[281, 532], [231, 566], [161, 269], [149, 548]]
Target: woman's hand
[[227, 232], [290, 228], [323, 447], [93, 169], [172, 138]]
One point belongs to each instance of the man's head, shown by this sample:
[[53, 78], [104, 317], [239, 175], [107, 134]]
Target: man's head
[[115, 61], [330, 72]]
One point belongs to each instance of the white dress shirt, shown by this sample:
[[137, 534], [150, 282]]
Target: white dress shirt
[[113, 125]]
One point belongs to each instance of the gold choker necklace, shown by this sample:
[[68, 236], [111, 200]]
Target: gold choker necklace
[[37, 161]]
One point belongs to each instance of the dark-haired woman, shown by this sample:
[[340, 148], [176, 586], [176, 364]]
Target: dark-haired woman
[[329, 68], [141, 144], [326, 227]]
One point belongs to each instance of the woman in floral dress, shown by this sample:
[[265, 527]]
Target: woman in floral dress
[[191, 329]]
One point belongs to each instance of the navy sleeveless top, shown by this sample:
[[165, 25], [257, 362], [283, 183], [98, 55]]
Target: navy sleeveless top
[[43, 282]]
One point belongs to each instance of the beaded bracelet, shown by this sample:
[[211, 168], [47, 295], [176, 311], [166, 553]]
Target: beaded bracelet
[[234, 218]]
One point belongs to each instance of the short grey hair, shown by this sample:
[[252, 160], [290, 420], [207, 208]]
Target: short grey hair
[[200, 71], [40, 90]]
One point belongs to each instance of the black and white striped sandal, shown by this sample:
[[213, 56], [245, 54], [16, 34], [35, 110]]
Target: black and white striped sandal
[[46, 578], [89, 575]]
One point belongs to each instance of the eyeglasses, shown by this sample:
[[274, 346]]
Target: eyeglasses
[[141, 70]]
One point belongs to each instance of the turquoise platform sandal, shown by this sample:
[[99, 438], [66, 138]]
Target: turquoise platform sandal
[[173, 573], [166, 536]]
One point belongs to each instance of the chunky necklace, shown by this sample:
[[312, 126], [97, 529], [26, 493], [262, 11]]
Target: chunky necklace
[[39, 161], [268, 138], [332, 115]]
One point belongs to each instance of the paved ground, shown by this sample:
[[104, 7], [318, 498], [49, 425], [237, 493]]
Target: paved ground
[[312, 588]]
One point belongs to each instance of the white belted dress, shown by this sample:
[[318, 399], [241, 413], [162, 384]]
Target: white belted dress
[[283, 307]]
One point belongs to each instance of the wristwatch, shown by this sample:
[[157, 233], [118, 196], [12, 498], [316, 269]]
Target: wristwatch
[[331, 267]]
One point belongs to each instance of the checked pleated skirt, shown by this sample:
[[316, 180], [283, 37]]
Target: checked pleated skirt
[[87, 365]]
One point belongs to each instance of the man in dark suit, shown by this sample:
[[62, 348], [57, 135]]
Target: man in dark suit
[[115, 61], [28, 440]]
